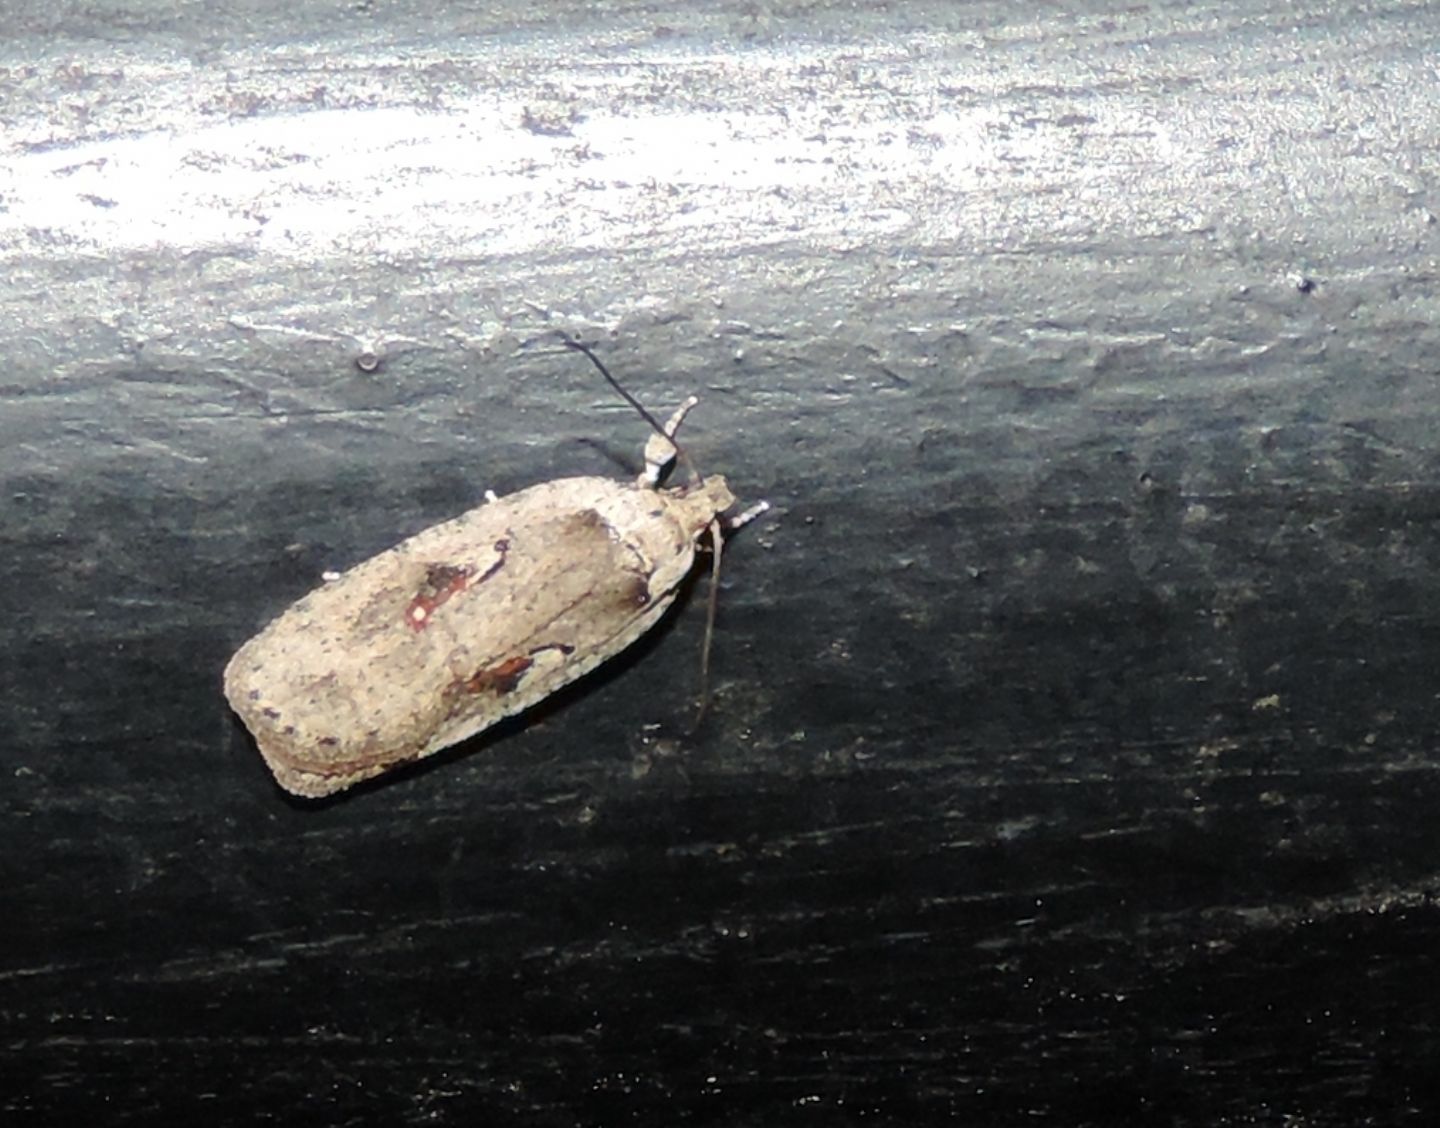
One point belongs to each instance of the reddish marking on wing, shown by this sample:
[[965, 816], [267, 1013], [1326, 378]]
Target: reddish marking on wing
[[443, 581], [499, 679]]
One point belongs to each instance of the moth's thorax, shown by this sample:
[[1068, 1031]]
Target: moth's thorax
[[661, 525]]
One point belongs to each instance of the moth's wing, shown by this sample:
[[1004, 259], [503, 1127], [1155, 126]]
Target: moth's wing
[[445, 634]]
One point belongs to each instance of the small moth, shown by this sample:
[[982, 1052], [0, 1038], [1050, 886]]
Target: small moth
[[473, 620]]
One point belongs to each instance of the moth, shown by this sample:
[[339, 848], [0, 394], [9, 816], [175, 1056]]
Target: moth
[[475, 619]]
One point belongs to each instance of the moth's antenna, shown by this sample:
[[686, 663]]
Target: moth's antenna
[[579, 346], [712, 605]]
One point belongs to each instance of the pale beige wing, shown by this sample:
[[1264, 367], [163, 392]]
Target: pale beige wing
[[445, 634]]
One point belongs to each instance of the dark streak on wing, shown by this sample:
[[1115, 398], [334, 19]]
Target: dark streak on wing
[[581, 519], [502, 546], [636, 591]]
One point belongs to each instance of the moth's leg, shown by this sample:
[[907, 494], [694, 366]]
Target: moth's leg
[[712, 605], [730, 524], [660, 451], [723, 525], [718, 527]]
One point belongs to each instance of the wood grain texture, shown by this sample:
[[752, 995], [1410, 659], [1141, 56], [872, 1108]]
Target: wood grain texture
[[1073, 759]]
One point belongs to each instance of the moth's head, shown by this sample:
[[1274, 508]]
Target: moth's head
[[705, 500]]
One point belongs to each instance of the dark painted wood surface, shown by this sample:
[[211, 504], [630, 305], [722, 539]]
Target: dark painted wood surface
[[1073, 759]]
